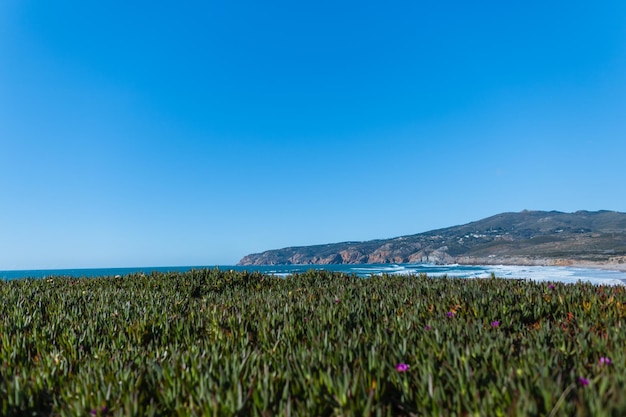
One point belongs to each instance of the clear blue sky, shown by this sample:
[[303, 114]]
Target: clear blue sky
[[142, 133]]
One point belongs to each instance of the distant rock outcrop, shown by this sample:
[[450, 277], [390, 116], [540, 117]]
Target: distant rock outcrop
[[525, 238]]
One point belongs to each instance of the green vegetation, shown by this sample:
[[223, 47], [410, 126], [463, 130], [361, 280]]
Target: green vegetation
[[220, 343]]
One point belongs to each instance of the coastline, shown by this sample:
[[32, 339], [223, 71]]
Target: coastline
[[611, 265], [603, 266], [511, 267]]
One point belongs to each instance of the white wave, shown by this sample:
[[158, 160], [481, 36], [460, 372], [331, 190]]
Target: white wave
[[534, 273], [560, 274]]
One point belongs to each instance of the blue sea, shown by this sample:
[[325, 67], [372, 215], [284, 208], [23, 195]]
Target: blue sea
[[535, 273]]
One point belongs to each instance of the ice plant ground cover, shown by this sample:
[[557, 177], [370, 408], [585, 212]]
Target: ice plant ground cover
[[220, 343]]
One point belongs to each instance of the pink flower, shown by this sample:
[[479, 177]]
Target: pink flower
[[583, 381], [427, 327], [605, 361], [495, 323], [402, 367], [450, 314]]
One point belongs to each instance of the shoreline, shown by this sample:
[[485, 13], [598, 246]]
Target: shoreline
[[605, 267], [364, 269], [568, 263]]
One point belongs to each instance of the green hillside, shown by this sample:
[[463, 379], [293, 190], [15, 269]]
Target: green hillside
[[527, 237]]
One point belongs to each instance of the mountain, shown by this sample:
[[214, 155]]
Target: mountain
[[525, 238]]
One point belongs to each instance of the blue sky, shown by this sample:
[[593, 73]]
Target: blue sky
[[157, 133]]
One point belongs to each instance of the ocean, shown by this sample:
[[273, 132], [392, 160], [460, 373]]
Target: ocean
[[535, 273]]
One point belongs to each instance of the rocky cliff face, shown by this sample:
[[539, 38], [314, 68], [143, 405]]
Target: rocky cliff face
[[526, 238]]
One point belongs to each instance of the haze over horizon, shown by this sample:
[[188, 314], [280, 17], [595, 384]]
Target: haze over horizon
[[154, 135]]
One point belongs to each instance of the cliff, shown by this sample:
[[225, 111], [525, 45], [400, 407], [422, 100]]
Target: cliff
[[525, 238]]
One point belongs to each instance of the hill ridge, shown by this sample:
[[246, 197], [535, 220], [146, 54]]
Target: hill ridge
[[529, 237]]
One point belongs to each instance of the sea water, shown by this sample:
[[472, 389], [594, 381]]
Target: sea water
[[535, 273]]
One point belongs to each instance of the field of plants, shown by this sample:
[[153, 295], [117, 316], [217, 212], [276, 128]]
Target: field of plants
[[221, 343]]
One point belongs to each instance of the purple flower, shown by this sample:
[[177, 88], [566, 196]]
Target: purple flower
[[402, 367], [94, 412], [427, 327], [337, 300], [551, 286], [495, 323], [450, 314], [605, 361], [583, 381]]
